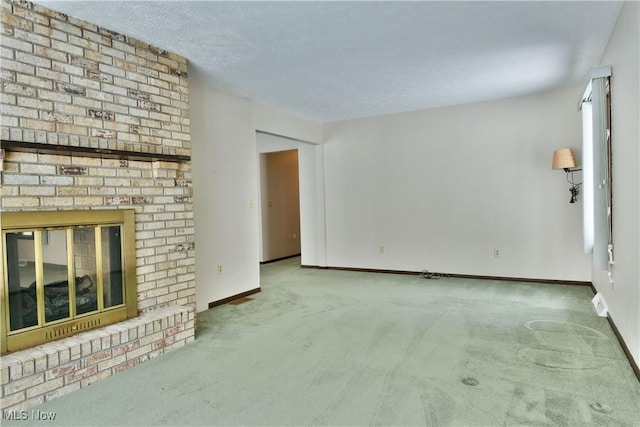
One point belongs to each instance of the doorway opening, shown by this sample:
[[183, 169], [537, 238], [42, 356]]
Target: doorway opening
[[280, 205]]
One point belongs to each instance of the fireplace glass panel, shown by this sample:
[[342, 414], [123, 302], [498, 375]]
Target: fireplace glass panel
[[64, 272], [84, 251], [112, 278], [21, 275], [55, 267]]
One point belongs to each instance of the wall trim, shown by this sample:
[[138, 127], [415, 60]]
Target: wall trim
[[233, 297], [522, 279], [458, 276], [616, 332], [632, 362]]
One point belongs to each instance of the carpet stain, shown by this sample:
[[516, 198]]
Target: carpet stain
[[553, 358], [470, 381], [568, 328], [603, 408], [566, 345]]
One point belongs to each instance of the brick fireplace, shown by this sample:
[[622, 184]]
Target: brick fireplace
[[96, 120]]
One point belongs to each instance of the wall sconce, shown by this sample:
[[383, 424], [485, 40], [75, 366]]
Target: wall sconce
[[563, 159]]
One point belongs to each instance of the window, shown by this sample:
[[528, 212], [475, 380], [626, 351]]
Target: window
[[597, 189]]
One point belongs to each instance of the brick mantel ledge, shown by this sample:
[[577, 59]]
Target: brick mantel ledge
[[104, 153]]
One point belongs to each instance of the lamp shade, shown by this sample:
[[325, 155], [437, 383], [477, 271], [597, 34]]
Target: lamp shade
[[563, 159]]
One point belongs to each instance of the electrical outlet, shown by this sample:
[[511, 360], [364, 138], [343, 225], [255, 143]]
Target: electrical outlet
[[220, 269], [381, 249], [496, 253]]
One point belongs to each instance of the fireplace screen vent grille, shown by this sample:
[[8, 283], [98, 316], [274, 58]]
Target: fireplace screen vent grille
[[66, 330], [64, 272]]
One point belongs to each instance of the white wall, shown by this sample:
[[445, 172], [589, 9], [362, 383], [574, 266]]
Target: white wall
[[623, 296], [441, 189], [225, 184], [279, 122]]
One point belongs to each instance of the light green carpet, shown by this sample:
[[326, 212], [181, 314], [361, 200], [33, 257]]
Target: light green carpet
[[324, 347]]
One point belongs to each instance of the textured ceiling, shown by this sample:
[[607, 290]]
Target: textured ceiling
[[339, 60]]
